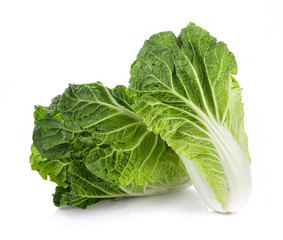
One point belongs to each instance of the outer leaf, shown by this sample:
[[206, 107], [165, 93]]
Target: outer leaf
[[185, 92]]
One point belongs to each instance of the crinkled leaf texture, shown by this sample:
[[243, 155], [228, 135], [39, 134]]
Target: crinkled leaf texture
[[91, 143], [185, 92]]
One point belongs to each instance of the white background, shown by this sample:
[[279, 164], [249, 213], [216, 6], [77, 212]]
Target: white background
[[44, 45]]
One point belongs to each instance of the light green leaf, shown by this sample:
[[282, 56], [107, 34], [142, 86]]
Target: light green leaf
[[185, 92], [54, 168]]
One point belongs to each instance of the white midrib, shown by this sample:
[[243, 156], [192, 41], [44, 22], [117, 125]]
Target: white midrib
[[233, 161]]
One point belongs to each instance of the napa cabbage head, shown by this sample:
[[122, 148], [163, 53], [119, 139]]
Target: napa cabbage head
[[92, 144], [185, 91]]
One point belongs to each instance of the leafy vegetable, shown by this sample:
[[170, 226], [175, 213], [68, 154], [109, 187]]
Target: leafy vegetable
[[185, 92], [95, 148]]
